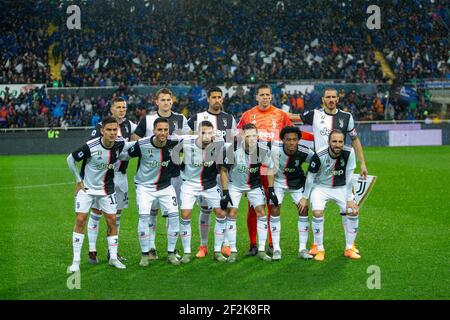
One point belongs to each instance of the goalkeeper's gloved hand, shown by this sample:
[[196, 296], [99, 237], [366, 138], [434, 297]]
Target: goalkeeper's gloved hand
[[225, 199], [273, 196]]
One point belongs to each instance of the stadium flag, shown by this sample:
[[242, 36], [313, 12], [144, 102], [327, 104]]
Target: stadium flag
[[8, 63], [82, 61], [234, 57], [409, 94], [92, 53], [278, 49], [106, 63], [97, 64], [137, 60], [361, 188], [314, 43], [40, 64], [267, 60], [19, 68]]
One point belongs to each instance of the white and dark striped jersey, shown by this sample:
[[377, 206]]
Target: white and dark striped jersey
[[224, 124], [244, 170], [331, 172], [177, 124], [200, 166], [323, 123], [154, 166], [288, 168], [126, 129], [97, 169]]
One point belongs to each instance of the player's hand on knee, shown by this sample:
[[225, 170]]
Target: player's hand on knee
[[225, 199], [352, 208], [302, 206], [272, 196]]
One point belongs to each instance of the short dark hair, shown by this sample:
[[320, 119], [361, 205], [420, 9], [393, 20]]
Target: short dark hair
[[163, 91], [333, 132], [291, 129], [249, 126], [263, 86], [205, 123], [118, 99], [214, 89], [160, 120], [107, 120], [330, 89]]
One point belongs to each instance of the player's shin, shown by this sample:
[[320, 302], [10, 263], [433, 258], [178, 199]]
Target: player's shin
[[93, 224], [186, 234], [352, 230], [275, 227], [118, 215], [113, 244], [303, 231], [77, 243], [230, 233], [219, 233], [317, 225], [144, 232], [152, 227], [173, 229], [262, 233], [344, 225], [204, 219]]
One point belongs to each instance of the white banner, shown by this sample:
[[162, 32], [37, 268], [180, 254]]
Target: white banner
[[361, 188], [16, 89]]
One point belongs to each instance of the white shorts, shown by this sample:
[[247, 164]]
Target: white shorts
[[190, 193], [84, 202], [166, 198], [321, 195], [121, 189], [176, 184], [296, 194], [202, 201], [256, 197]]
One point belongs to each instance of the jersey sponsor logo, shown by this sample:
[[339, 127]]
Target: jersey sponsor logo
[[266, 135], [289, 170], [331, 172], [105, 166], [156, 164], [206, 164], [221, 133], [246, 170]]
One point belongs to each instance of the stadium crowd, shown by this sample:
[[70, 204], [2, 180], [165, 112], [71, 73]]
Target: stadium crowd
[[216, 42], [36, 108]]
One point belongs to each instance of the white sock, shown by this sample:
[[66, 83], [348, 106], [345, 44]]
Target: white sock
[[152, 226], [262, 233], [352, 230], [317, 225], [144, 232], [118, 222], [185, 232], [344, 225], [77, 243], [113, 244], [93, 224], [275, 227], [173, 229], [204, 219], [303, 231], [231, 234], [219, 233]]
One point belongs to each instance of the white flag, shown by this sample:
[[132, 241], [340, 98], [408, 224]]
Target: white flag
[[273, 54], [137, 60], [97, 64], [68, 64], [267, 60], [349, 58], [319, 59], [106, 63], [234, 57], [314, 43], [168, 66], [63, 67], [40, 64], [262, 54], [204, 67], [7, 64], [92, 53], [191, 67], [278, 49], [19, 68], [82, 61]]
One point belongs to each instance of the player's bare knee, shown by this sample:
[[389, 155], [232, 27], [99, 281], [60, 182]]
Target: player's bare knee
[[318, 214], [232, 213], [219, 213], [275, 211], [186, 214], [260, 211]]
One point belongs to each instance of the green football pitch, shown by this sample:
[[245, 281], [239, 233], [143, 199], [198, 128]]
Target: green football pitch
[[404, 234]]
